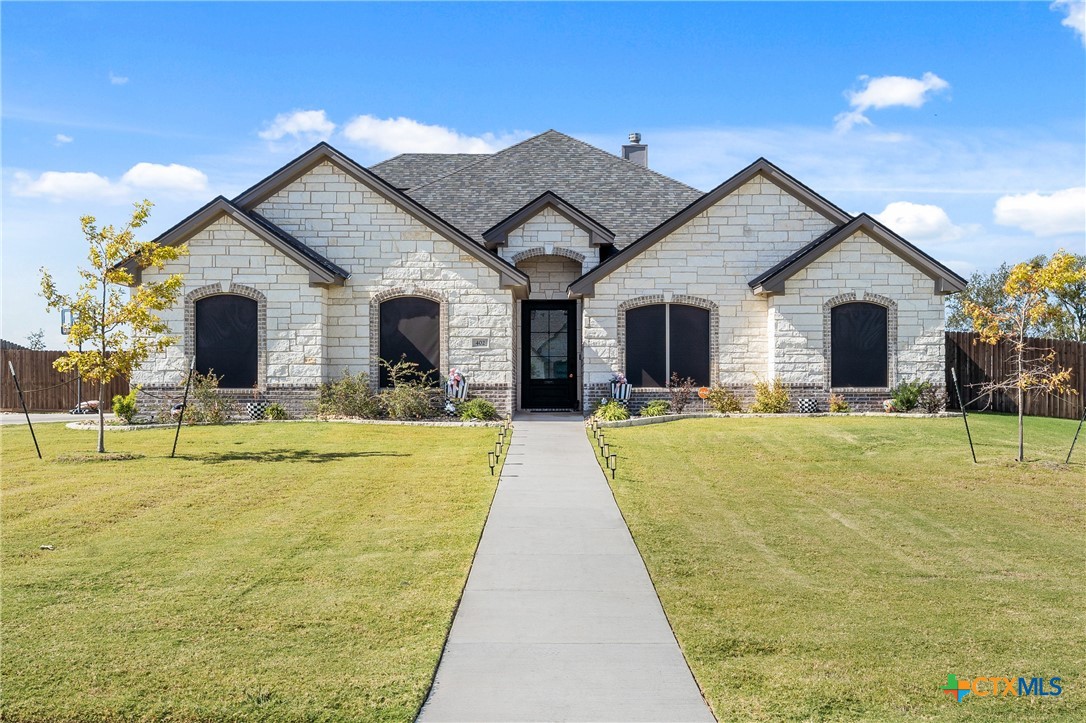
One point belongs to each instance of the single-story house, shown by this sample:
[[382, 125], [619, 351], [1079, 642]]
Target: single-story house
[[539, 272]]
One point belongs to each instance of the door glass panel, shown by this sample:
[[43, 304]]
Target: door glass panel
[[549, 344]]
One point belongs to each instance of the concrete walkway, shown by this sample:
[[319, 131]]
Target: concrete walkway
[[559, 620]]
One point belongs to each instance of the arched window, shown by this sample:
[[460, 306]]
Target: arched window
[[226, 339], [666, 339], [411, 330], [858, 345]]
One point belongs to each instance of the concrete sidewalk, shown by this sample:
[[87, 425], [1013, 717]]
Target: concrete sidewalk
[[559, 620]]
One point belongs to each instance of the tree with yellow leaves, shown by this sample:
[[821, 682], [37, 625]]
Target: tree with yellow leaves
[[121, 328], [1027, 305]]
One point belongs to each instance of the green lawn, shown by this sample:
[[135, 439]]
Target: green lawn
[[279, 572], [840, 568]]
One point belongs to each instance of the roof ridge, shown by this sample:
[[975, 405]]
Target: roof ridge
[[486, 157], [550, 131], [389, 159], [626, 160]]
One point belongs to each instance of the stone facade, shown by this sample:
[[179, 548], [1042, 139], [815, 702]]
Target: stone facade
[[711, 258], [311, 333], [859, 269], [385, 248]]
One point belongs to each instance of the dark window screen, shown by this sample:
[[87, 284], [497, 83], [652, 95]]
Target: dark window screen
[[226, 339], [858, 345], [410, 330], [690, 342], [645, 347]]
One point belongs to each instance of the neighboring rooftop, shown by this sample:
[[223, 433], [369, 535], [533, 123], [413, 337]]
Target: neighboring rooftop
[[474, 192]]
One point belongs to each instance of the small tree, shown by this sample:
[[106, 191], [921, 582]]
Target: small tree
[[1071, 298], [1027, 306], [121, 332], [35, 340]]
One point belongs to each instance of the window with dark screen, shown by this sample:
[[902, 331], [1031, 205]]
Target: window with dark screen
[[646, 347], [410, 330], [858, 345], [662, 339], [226, 339], [689, 343]]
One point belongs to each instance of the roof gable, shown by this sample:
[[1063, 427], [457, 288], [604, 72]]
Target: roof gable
[[585, 285], [321, 270], [277, 181], [772, 281], [498, 234]]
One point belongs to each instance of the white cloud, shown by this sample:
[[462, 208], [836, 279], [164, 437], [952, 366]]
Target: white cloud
[[1075, 16], [171, 180], [117, 79], [1055, 214], [304, 125], [920, 222], [886, 92], [61, 139], [173, 177], [405, 135], [60, 185]]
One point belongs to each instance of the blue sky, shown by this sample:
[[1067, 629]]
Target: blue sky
[[963, 125]]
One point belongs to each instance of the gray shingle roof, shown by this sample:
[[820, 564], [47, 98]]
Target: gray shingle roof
[[408, 170], [627, 198]]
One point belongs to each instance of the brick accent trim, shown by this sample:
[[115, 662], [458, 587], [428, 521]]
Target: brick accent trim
[[569, 254], [891, 341], [526, 254], [375, 325], [221, 289], [714, 326]]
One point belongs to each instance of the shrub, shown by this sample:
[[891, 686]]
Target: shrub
[[411, 394], [124, 405], [932, 400], [655, 408], [681, 391], [348, 396], [838, 405], [206, 404], [477, 408], [611, 410], [276, 411], [906, 395], [723, 400], [771, 397]]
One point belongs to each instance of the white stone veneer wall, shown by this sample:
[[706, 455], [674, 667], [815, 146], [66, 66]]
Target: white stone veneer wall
[[550, 276], [225, 253], [385, 248], [549, 232], [862, 266], [711, 257]]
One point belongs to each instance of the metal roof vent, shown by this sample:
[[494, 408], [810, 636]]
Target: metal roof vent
[[636, 152]]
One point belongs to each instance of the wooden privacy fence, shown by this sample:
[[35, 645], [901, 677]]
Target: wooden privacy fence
[[44, 388], [978, 363]]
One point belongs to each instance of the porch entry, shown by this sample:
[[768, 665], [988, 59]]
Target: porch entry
[[549, 355]]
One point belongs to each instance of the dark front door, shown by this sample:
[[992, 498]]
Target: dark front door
[[549, 355]]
